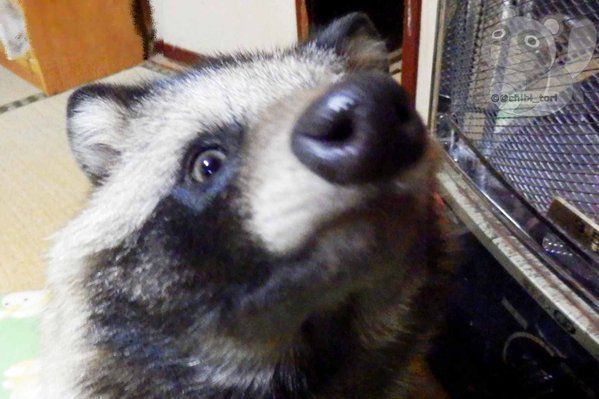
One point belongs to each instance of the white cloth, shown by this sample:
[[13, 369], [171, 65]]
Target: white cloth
[[13, 35]]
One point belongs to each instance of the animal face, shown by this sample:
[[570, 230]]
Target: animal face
[[235, 202]]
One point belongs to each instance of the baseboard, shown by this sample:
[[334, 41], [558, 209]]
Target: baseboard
[[177, 53]]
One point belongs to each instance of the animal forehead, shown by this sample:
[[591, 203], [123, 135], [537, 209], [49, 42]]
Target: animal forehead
[[180, 110], [240, 90]]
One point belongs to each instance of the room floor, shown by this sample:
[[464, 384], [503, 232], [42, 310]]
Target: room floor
[[41, 186]]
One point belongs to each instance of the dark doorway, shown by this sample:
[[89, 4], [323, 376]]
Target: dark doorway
[[386, 15]]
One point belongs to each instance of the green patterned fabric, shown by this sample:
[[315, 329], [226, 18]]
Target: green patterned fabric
[[20, 344]]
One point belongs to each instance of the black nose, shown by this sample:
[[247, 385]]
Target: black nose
[[361, 130]]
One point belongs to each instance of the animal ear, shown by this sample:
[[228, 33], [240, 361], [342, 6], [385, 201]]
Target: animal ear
[[97, 116], [355, 37]]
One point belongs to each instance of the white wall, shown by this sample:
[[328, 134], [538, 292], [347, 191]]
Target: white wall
[[208, 26], [426, 56]]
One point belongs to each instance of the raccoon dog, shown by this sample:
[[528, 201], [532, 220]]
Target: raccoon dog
[[262, 226]]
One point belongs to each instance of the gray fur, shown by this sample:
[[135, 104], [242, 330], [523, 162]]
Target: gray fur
[[269, 282]]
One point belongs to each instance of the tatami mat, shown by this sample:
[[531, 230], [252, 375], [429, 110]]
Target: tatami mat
[[13, 88], [41, 187]]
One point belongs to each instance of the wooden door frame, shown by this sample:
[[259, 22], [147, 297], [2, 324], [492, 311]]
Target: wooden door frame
[[144, 23], [411, 46], [303, 22]]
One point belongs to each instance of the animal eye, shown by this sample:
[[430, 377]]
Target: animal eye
[[206, 164]]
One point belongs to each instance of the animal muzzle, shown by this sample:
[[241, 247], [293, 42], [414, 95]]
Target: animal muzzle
[[361, 130]]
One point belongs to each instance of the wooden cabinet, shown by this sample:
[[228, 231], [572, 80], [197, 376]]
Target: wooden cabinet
[[76, 41]]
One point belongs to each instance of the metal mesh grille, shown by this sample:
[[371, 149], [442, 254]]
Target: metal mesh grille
[[523, 79]]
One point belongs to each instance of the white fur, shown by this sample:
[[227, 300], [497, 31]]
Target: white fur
[[286, 200], [97, 122]]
